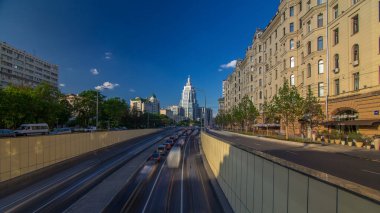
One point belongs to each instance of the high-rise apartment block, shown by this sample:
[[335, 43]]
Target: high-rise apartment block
[[331, 48], [23, 69]]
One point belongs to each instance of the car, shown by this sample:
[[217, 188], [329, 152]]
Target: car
[[32, 129], [90, 129], [59, 131], [161, 149], [168, 145], [7, 133], [156, 157]]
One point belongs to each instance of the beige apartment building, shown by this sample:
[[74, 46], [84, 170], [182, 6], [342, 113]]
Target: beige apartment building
[[331, 47], [19, 68]]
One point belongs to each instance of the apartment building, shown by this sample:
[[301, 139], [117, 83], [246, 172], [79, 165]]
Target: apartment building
[[23, 69], [148, 105], [331, 47]]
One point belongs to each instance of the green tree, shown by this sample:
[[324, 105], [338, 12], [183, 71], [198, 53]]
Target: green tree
[[312, 110], [289, 106], [248, 112], [85, 107], [113, 111], [269, 114]]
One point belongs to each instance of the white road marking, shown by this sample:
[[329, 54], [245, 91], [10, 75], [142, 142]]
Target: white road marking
[[372, 172], [183, 163], [154, 185]]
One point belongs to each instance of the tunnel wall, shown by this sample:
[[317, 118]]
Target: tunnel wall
[[22, 155], [255, 184]]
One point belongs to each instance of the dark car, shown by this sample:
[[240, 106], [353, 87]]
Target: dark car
[[161, 149], [7, 133], [168, 145], [156, 157]]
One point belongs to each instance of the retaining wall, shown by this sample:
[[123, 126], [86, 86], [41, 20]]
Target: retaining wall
[[21, 155], [256, 183]]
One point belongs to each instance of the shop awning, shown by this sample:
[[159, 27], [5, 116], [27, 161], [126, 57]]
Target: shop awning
[[353, 123]]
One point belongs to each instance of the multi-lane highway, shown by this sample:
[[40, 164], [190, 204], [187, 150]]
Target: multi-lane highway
[[183, 189], [58, 190], [362, 171]]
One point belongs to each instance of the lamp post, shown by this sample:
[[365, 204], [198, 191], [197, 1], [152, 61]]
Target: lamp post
[[204, 113]]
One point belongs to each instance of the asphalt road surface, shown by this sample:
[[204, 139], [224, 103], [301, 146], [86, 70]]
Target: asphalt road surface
[[183, 189], [361, 171]]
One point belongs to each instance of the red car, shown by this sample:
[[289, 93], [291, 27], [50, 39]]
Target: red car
[[156, 157]]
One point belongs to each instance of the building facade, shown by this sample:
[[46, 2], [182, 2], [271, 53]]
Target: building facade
[[189, 100], [19, 68], [331, 48], [146, 105]]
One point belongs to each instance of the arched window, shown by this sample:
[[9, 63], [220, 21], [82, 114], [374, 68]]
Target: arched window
[[292, 62], [320, 43], [355, 54], [320, 67], [336, 61], [292, 80], [308, 70], [291, 44]]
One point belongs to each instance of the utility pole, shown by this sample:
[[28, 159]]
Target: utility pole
[[97, 109]]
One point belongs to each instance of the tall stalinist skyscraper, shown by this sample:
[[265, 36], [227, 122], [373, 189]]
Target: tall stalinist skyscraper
[[189, 100]]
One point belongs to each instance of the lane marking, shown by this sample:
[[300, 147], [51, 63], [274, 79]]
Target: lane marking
[[372, 172], [154, 186], [183, 162]]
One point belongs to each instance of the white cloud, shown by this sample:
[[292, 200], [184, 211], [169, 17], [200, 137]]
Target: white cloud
[[94, 71], [132, 90], [62, 85], [106, 85], [220, 69], [231, 64], [107, 55]]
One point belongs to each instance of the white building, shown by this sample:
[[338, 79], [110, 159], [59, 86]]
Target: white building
[[19, 68], [149, 105], [189, 100]]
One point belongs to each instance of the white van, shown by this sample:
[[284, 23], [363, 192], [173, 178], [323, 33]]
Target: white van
[[32, 129]]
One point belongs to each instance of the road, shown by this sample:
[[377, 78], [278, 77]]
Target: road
[[361, 171], [56, 191], [183, 189]]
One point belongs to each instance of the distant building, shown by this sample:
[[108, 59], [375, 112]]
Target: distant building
[[178, 112], [189, 100], [149, 105], [206, 115], [23, 69], [167, 112], [221, 105]]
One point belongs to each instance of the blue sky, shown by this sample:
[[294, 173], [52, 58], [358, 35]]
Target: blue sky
[[140, 47]]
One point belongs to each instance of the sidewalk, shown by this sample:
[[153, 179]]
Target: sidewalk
[[351, 151]]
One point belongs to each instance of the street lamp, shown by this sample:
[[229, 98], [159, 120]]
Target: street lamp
[[204, 113]]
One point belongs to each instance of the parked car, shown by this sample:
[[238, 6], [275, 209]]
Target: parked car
[[32, 129], [7, 133], [59, 131], [90, 129], [156, 157]]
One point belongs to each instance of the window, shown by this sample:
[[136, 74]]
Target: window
[[283, 16], [309, 47], [320, 43], [308, 70], [300, 23], [354, 1], [355, 24], [336, 11], [320, 67], [300, 5], [251, 68], [291, 44], [284, 31], [260, 59], [291, 27], [260, 70], [337, 91], [276, 73], [275, 33], [308, 5], [320, 89], [292, 62], [356, 81], [336, 61], [336, 36], [320, 2], [276, 47], [291, 11], [259, 48], [320, 20], [260, 82], [261, 95], [292, 83], [355, 54], [308, 26]]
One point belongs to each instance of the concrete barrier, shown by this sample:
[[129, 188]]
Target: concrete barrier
[[21, 155], [255, 182]]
